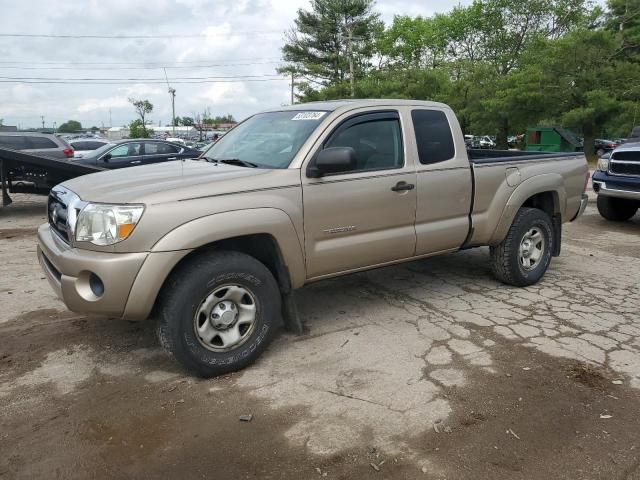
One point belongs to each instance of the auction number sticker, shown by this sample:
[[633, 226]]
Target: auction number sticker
[[309, 116]]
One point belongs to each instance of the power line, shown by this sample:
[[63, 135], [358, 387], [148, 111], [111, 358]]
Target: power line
[[212, 65], [141, 62], [139, 37], [141, 79], [64, 82]]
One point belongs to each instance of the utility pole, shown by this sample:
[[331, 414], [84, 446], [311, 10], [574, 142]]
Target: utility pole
[[54, 127], [172, 94], [293, 84], [42, 117], [350, 53]]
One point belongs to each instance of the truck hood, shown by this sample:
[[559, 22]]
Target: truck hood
[[178, 180]]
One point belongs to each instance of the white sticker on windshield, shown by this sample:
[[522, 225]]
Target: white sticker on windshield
[[309, 116]]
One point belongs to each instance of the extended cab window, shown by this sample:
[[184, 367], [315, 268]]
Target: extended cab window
[[433, 136], [376, 139]]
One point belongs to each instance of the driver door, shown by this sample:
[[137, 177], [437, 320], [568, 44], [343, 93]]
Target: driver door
[[364, 217]]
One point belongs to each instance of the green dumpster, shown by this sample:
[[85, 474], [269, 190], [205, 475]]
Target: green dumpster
[[552, 139]]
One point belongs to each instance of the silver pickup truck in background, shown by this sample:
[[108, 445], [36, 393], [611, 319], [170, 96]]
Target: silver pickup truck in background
[[213, 249]]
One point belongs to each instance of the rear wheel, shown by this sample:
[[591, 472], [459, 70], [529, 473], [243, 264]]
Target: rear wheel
[[616, 209], [523, 257], [218, 311]]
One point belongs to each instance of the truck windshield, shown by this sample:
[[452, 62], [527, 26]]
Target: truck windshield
[[267, 140]]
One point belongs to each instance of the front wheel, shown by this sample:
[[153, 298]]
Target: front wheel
[[616, 209], [218, 311], [523, 257]]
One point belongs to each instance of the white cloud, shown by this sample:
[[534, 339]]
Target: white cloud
[[228, 26]]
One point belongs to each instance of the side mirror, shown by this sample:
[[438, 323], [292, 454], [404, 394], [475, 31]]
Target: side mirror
[[106, 158], [332, 160]]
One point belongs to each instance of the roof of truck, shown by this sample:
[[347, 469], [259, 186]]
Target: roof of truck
[[330, 106]]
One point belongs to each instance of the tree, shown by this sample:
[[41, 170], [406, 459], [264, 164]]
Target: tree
[[187, 121], [138, 130], [584, 86], [70, 126], [331, 42], [143, 107], [623, 18]]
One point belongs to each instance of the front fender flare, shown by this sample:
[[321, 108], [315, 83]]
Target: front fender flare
[[236, 223]]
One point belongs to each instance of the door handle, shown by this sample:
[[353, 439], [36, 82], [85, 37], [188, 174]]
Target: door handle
[[402, 186], [135, 161], [172, 158]]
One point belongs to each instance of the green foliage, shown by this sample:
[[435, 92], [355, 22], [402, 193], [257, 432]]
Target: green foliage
[[326, 37], [217, 120], [138, 130], [70, 126], [143, 107], [503, 65]]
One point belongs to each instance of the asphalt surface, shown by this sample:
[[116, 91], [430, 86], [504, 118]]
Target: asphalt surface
[[430, 369]]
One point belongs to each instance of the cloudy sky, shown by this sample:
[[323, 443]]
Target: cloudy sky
[[237, 38]]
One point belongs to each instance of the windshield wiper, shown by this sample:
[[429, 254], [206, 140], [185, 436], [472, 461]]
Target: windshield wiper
[[237, 161]]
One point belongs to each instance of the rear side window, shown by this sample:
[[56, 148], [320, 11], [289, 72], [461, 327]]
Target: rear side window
[[433, 136], [40, 142], [159, 149], [93, 145], [15, 142], [80, 146]]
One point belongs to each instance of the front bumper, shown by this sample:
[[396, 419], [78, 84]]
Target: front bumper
[[87, 281], [619, 186]]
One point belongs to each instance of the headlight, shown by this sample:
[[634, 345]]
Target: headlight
[[603, 163], [103, 224]]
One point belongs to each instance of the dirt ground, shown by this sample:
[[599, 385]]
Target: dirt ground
[[428, 370]]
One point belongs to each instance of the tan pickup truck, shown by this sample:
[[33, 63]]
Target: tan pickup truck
[[213, 249]]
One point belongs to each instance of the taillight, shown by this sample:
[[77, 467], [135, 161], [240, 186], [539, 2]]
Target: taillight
[[68, 152]]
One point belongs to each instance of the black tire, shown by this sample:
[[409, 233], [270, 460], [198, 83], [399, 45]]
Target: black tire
[[505, 257], [616, 209], [184, 294]]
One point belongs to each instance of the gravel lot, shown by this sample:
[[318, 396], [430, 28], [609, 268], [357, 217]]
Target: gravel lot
[[429, 370]]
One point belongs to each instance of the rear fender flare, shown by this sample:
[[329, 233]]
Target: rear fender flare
[[548, 182]]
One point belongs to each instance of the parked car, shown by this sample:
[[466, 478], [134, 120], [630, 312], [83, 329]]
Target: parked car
[[617, 183], [603, 146], [128, 153], [37, 143], [82, 146], [302, 193]]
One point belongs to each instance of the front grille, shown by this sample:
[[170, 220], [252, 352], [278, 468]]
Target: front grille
[[57, 214], [625, 162], [627, 168]]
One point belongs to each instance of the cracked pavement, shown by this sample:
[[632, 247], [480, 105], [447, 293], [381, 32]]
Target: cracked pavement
[[391, 358]]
